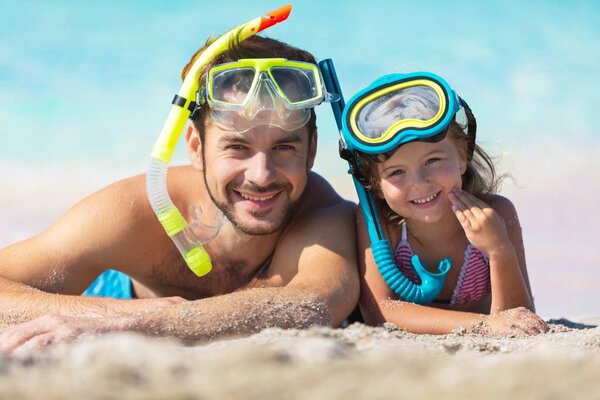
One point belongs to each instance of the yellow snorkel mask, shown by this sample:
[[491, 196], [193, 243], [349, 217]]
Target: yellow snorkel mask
[[187, 242], [255, 92]]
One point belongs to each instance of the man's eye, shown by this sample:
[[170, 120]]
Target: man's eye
[[235, 147], [283, 147]]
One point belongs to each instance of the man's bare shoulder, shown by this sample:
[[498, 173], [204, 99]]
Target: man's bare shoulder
[[321, 204], [127, 198], [108, 229], [320, 194], [324, 226]]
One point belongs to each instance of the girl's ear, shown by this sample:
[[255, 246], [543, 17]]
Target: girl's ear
[[462, 148], [463, 165], [194, 146]]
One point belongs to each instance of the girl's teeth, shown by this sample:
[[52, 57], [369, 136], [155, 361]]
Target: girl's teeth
[[426, 200]]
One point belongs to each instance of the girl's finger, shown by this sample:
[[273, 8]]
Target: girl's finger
[[471, 200], [456, 200], [462, 218]]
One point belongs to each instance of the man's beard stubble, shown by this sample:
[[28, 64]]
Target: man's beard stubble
[[229, 211]]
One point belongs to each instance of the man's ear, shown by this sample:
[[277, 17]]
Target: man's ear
[[312, 149], [194, 146]]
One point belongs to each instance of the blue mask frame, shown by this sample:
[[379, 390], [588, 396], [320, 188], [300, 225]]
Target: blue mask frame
[[417, 130]]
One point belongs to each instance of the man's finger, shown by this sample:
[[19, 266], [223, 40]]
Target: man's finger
[[40, 341], [16, 337]]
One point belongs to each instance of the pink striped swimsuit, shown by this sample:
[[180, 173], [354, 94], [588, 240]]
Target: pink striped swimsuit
[[473, 280]]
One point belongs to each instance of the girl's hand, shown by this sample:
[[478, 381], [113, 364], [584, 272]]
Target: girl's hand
[[513, 322], [483, 227]]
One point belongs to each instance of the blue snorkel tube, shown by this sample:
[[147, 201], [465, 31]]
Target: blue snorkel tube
[[431, 283]]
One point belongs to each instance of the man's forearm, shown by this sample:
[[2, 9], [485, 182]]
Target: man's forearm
[[240, 313], [20, 303]]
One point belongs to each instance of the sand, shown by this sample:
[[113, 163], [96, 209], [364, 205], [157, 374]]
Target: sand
[[357, 362]]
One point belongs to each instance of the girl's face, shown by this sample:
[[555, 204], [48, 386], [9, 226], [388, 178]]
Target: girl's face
[[416, 180]]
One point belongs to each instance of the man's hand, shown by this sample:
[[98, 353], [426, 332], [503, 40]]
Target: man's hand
[[50, 329], [55, 328]]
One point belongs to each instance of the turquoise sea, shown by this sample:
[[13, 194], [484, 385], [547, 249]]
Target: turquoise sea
[[85, 87]]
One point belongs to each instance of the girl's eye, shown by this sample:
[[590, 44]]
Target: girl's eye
[[432, 160], [398, 172]]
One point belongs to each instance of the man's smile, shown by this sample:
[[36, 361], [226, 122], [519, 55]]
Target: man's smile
[[257, 200]]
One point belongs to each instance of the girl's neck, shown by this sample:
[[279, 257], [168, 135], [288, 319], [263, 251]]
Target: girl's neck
[[432, 234]]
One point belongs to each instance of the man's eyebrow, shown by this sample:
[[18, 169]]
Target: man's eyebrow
[[290, 137], [233, 138]]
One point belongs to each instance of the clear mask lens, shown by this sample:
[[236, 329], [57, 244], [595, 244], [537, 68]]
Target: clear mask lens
[[232, 87], [264, 106], [416, 103], [242, 97]]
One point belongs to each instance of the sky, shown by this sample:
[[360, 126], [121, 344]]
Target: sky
[[85, 87]]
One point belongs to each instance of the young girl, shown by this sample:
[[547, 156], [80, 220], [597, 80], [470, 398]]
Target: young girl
[[434, 195]]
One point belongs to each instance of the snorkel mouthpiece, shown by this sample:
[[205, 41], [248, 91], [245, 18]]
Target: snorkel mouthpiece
[[186, 241]]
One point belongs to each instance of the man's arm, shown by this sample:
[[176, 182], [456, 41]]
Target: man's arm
[[48, 272], [315, 261]]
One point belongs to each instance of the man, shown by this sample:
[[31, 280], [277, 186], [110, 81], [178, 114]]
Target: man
[[285, 257]]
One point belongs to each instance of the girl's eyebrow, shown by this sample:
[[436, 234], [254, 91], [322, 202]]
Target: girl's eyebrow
[[399, 165], [433, 152]]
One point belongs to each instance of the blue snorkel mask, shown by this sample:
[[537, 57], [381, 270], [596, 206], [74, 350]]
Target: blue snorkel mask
[[394, 110]]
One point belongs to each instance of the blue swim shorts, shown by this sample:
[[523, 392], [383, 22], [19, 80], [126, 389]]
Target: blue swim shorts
[[111, 283]]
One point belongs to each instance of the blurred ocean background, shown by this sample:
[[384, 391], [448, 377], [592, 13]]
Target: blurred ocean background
[[85, 87]]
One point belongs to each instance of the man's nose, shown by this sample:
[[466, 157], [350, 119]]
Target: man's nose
[[260, 169]]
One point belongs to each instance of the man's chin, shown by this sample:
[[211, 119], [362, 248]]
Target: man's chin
[[256, 228], [258, 222]]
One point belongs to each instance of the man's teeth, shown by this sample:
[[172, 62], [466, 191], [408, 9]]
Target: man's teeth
[[425, 200], [256, 198]]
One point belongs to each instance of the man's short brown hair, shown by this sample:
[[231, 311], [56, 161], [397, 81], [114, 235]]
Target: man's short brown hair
[[253, 47]]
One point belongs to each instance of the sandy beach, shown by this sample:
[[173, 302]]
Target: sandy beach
[[357, 362]]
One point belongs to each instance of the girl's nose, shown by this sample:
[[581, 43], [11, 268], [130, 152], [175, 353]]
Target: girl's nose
[[420, 177]]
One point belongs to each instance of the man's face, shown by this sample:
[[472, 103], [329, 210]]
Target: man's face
[[257, 177]]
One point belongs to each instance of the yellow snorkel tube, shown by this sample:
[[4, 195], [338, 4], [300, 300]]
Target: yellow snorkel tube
[[169, 216]]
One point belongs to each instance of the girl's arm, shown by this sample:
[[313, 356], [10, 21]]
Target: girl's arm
[[494, 230], [379, 304]]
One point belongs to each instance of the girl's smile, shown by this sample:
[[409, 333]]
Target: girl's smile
[[416, 179]]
